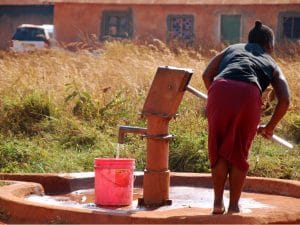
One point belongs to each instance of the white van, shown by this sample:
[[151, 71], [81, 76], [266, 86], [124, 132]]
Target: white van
[[29, 37]]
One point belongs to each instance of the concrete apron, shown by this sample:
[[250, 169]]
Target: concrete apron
[[283, 197]]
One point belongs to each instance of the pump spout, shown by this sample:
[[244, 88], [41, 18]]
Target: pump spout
[[129, 129]]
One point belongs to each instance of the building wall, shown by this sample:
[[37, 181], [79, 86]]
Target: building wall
[[12, 16], [72, 20]]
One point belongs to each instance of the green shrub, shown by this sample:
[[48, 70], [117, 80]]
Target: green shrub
[[13, 156], [188, 153], [268, 159], [105, 112], [72, 133], [24, 115], [84, 107], [291, 126]]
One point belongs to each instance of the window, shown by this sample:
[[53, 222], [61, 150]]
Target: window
[[29, 34], [291, 27], [181, 27], [116, 24], [230, 28]]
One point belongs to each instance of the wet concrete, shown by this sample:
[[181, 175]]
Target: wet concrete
[[182, 197], [264, 201]]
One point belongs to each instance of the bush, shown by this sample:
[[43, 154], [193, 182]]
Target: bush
[[188, 153], [23, 116], [13, 156], [291, 126], [268, 159], [76, 135]]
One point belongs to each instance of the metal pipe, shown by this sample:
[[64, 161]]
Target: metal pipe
[[281, 141], [194, 91], [274, 137], [129, 129]]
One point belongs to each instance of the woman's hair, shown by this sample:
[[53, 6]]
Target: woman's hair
[[261, 34]]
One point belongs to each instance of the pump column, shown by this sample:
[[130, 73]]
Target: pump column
[[160, 107], [157, 175]]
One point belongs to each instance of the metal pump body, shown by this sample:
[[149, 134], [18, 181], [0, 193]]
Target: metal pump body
[[161, 105]]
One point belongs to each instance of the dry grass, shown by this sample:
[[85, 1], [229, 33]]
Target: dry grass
[[292, 71], [102, 73], [118, 65]]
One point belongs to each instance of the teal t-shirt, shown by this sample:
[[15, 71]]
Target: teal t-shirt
[[248, 63]]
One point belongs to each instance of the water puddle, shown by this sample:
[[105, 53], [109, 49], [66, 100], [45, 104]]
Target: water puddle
[[182, 197]]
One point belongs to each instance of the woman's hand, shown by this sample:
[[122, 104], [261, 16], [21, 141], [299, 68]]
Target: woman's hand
[[281, 90], [265, 131]]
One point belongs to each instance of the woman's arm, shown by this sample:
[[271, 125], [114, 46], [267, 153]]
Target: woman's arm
[[211, 70], [282, 93]]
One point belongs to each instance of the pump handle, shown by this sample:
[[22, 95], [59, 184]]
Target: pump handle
[[274, 137]]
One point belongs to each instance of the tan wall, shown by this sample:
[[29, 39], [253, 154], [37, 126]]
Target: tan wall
[[150, 20]]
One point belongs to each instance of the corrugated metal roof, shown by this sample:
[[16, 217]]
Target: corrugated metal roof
[[155, 2]]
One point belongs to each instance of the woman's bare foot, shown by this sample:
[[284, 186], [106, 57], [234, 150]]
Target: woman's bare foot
[[233, 209], [219, 208]]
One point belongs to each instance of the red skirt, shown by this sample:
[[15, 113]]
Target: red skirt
[[233, 111]]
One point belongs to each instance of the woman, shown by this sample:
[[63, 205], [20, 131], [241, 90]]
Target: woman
[[235, 80]]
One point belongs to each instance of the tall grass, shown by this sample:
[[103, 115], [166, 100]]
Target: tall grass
[[61, 109]]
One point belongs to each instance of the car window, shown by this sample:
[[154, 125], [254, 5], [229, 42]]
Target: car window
[[29, 34]]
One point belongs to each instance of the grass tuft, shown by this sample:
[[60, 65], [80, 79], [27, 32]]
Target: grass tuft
[[23, 115]]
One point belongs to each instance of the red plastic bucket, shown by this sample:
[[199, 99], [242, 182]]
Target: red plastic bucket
[[114, 181]]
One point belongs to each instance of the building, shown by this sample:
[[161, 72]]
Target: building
[[193, 21], [199, 21]]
